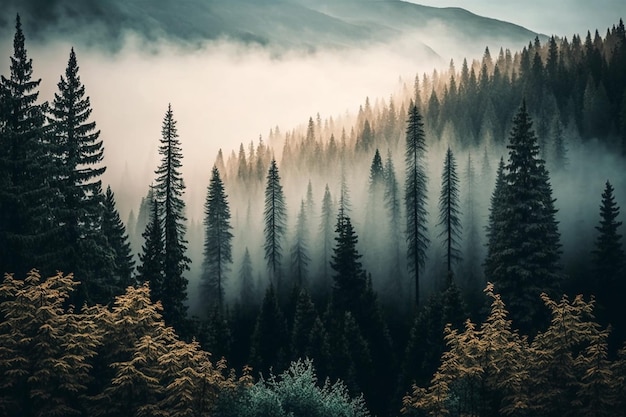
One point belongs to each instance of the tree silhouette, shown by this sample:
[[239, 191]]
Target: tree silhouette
[[449, 213], [275, 218]]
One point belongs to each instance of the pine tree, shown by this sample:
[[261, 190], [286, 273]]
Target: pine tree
[[415, 195], [449, 213], [25, 167], [392, 205], [525, 261], [303, 323], [78, 153], [150, 269], [217, 240], [326, 231], [349, 278], [299, 251], [275, 217], [168, 189], [270, 336], [608, 254], [246, 298], [115, 232]]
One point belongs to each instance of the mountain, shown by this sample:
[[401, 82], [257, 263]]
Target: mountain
[[280, 24]]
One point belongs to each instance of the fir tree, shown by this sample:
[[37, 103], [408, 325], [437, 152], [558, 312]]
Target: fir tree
[[270, 336], [303, 323], [217, 240], [392, 205], [608, 253], [275, 218], [326, 232], [78, 153], [150, 269], [25, 167], [299, 252], [415, 196], [115, 232], [168, 189], [245, 278], [349, 278], [449, 213], [525, 261]]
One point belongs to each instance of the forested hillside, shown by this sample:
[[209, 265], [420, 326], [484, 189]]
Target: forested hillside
[[362, 242]]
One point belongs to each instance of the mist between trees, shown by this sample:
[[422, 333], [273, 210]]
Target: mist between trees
[[347, 239]]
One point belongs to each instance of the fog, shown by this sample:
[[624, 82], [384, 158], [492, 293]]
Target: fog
[[225, 93]]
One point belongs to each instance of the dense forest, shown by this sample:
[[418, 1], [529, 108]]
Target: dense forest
[[454, 249]]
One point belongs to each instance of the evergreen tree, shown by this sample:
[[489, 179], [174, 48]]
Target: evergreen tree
[[150, 269], [449, 213], [608, 264], [299, 252], [303, 323], [25, 167], [349, 278], [275, 218], [392, 205], [326, 233], [608, 254], [115, 232], [217, 240], [270, 336], [415, 195], [524, 260], [168, 191], [246, 298], [78, 153]]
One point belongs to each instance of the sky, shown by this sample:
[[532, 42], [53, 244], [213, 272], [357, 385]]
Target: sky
[[558, 17]]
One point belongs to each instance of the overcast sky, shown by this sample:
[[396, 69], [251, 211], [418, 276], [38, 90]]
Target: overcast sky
[[560, 17]]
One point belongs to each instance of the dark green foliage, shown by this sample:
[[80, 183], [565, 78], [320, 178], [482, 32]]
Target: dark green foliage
[[246, 297], [168, 191], [303, 322], [115, 232], [415, 196], [326, 233], [299, 251], [25, 167], [269, 348], [524, 261], [78, 153], [449, 213], [275, 218], [217, 241], [608, 253], [349, 278], [150, 269], [392, 205]]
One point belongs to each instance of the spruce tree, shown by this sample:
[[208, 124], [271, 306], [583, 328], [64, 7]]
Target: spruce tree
[[524, 261], [217, 240], [326, 235], [115, 232], [299, 251], [25, 167], [275, 218], [78, 154], [392, 205], [415, 196], [609, 262], [349, 278], [150, 269], [449, 213], [270, 336], [246, 297], [168, 189]]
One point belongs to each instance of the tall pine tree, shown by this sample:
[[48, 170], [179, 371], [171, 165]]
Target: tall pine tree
[[525, 259], [169, 189], [299, 251], [150, 269], [449, 213], [415, 196], [78, 154], [349, 278], [217, 240], [275, 217], [25, 167]]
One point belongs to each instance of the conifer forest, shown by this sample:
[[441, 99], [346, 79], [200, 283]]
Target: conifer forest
[[454, 248]]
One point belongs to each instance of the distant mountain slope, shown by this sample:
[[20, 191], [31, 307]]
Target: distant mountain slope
[[281, 24]]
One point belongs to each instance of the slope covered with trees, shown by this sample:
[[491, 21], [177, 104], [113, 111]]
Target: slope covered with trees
[[314, 245]]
